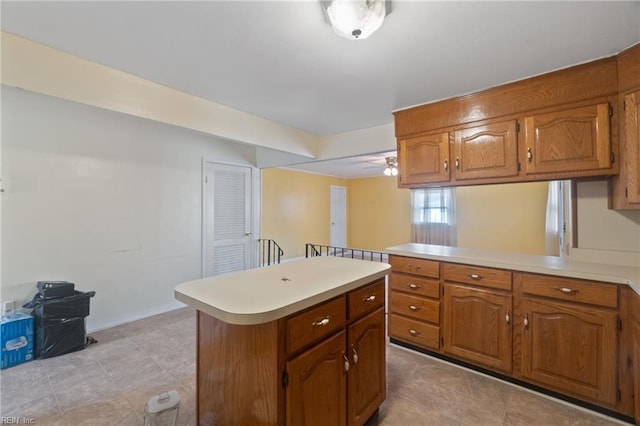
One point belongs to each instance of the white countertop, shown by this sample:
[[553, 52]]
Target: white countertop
[[550, 265], [256, 296]]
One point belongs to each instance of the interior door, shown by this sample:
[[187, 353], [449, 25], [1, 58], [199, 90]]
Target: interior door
[[227, 218], [338, 216]]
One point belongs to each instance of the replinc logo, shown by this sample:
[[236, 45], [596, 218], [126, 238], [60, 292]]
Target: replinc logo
[[16, 420]]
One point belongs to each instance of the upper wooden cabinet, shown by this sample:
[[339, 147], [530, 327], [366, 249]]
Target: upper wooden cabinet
[[481, 152], [571, 140], [487, 151], [624, 193], [424, 159], [553, 126]]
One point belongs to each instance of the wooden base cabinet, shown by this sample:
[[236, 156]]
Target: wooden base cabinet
[[477, 326], [414, 307], [317, 388], [339, 382], [568, 333], [323, 366], [572, 349]]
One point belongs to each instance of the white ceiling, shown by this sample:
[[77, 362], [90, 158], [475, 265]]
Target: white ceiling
[[280, 60]]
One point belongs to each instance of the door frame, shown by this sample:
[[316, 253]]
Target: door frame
[[255, 211]]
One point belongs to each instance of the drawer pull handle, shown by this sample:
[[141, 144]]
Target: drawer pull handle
[[529, 154], [322, 322], [413, 332], [370, 298], [355, 355], [446, 165], [507, 317], [414, 308], [566, 290], [413, 286], [526, 321], [476, 277]]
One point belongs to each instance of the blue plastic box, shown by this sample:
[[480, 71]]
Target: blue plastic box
[[16, 335]]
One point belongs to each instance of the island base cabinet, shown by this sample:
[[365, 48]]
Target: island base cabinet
[[236, 381], [340, 381], [571, 349], [366, 381], [317, 389]]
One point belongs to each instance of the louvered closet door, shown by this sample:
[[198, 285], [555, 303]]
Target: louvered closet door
[[227, 218]]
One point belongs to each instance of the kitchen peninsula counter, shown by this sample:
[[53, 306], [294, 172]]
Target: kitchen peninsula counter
[[550, 265], [301, 342]]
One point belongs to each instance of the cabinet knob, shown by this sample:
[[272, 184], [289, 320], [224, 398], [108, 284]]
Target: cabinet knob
[[413, 332], [457, 163], [413, 286], [354, 355], [446, 165], [526, 321], [529, 155], [346, 363], [507, 317], [414, 308], [324, 321]]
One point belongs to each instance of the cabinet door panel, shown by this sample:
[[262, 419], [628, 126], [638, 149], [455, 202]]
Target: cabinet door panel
[[488, 151], [424, 159], [568, 141], [632, 146], [477, 326], [317, 391], [570, 348], [367, 375]]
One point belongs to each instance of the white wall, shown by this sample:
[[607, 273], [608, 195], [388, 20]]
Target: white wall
[[609, 234], [106, 200]]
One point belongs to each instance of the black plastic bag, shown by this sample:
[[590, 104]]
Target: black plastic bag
[[60, 323]]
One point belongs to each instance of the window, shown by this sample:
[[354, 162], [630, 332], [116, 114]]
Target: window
[[431, 205], [433, 216]]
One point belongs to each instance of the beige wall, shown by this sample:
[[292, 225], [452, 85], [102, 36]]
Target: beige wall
[[379, 214], [600, 228], [507, 217], [295, 208]]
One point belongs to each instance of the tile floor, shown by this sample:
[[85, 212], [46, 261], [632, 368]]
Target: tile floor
[[109, 383]]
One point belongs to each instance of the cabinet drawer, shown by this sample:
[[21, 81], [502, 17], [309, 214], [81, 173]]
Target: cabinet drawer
[[316, 323], [415, 285], [412, 265], [569, 289], [415, 307], [416, 332], [476, 275], [366, 299]]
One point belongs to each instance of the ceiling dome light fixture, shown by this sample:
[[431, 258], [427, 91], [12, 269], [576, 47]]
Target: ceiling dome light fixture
[[356, 19], [392, 166]]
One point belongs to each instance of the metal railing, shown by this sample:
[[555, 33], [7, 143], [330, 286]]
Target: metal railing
[[312, 250], [270, 252]]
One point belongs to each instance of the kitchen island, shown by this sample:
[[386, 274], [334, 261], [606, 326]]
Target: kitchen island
[[301, 342]]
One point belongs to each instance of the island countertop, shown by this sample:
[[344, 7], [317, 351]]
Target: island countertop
[[550, 265], [260, 295]]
